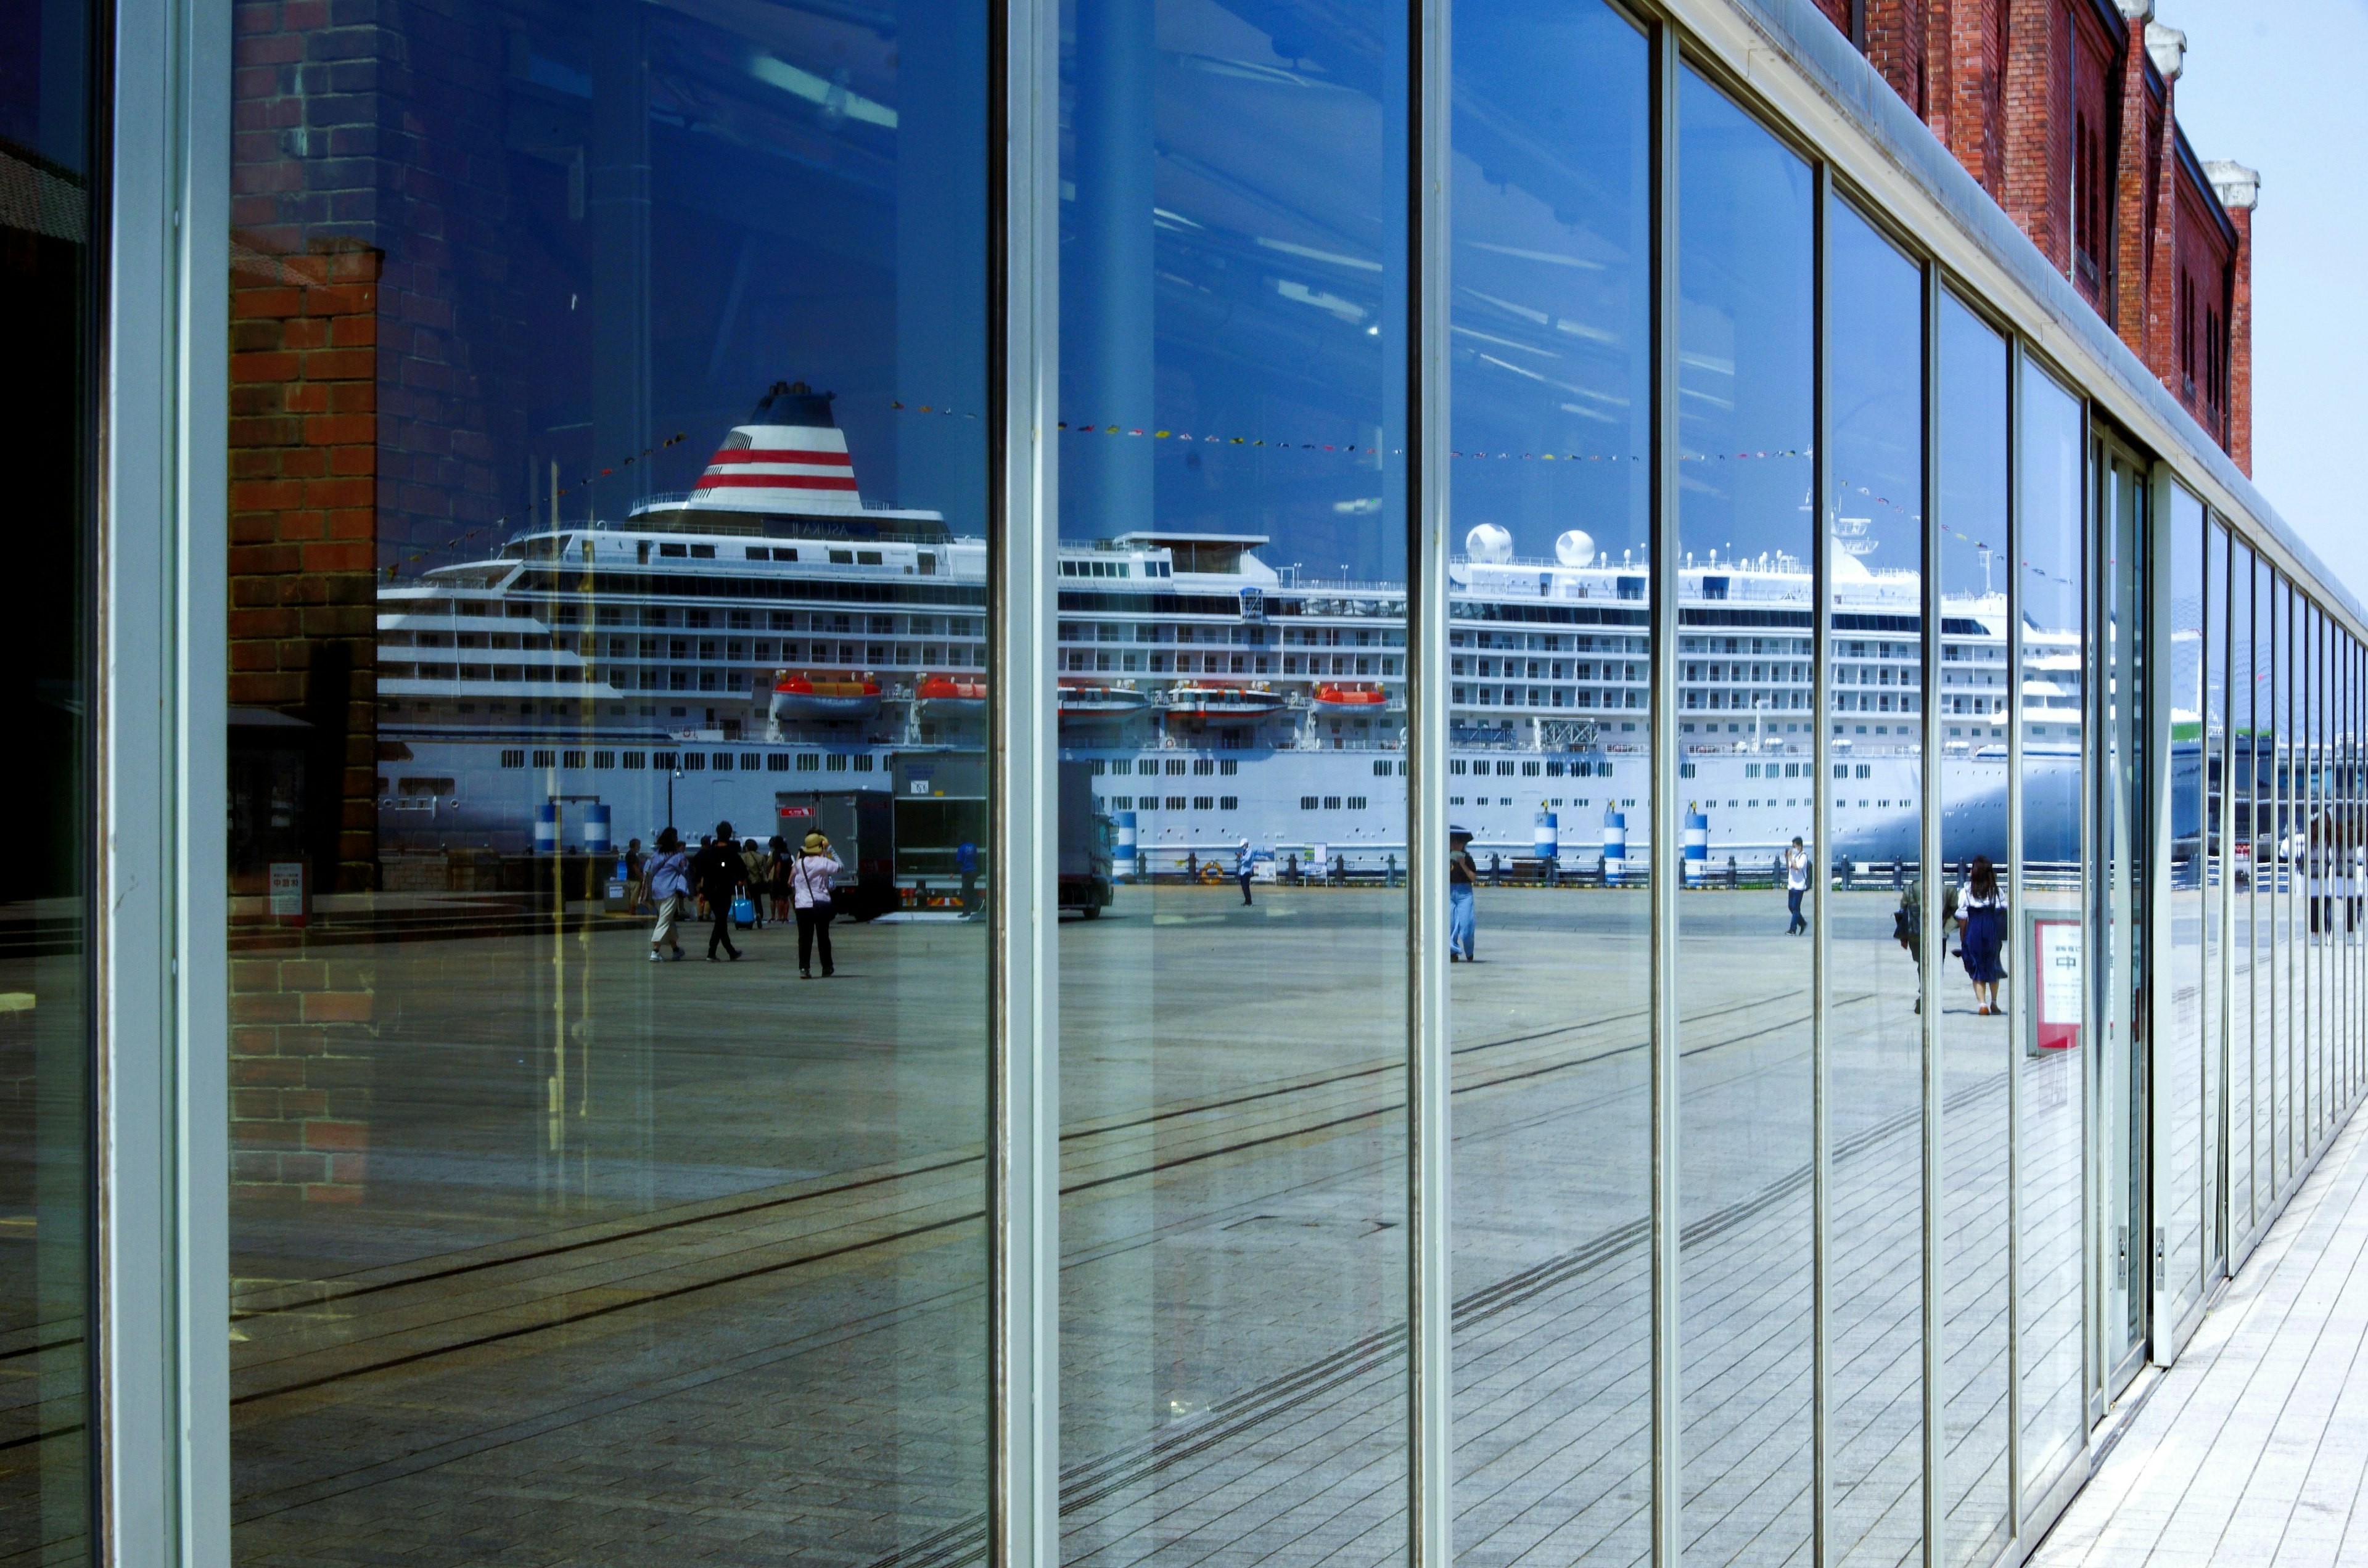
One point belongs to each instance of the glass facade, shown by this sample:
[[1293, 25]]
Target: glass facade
[[1123, 780]]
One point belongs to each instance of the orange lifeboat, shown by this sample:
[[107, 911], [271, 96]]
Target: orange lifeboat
[[1334, 698], [825, 696], [951, 694]]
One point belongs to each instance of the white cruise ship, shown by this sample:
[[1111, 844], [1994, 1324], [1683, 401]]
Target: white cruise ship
[[772, 633]]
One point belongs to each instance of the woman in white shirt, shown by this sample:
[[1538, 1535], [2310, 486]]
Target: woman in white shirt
[[811, 876], [665, 879]]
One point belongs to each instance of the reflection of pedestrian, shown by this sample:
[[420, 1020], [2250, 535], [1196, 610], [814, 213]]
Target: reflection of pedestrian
[[1242, 868], [1981, 934], [966, 862], [666, 880], [776, 877], [1462, 923], [1796, 884], [718, 870], [810, 883]]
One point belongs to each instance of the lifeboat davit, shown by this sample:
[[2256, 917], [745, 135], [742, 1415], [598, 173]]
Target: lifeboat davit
[[1085, 703], [1350, 698], [951, 694], [825, 696], [1216, 702]]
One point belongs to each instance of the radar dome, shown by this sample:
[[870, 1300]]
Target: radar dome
[[1488, 542], [1575, 548]]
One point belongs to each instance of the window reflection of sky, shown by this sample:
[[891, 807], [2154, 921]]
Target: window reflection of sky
[[1232, 270]]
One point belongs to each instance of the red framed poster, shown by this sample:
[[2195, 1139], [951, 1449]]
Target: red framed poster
[[2057, 996]]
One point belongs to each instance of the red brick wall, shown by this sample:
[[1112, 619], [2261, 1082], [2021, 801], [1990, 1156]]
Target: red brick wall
[[2044, 102], [303, 505], [303, 519]]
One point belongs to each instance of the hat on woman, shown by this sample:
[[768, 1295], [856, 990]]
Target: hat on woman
[[817, 844]]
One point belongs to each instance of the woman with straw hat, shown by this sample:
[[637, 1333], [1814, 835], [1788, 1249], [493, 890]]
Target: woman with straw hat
[[811, 875]]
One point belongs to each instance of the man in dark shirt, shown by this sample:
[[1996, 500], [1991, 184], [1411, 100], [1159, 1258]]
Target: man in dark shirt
[[718, 871]]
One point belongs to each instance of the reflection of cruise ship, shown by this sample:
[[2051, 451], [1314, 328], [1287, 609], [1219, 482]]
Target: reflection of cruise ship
[[773, 632]]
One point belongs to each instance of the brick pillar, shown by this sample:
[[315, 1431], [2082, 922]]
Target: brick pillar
[[2167, 47], [1974, 41], [2037, 114], [2239, 189], [303, 505], [2134, 194], [1895, 44]]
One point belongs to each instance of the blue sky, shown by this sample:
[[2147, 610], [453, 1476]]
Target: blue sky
[[2273, 84]]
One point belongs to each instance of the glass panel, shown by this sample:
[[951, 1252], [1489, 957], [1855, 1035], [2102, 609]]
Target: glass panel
[[1874, 1033], [2312, 847], [1233, 1042], [2281, 903], [2181, 1146], [1552, 1137], [2224, 1133], [2050, 576], [608, 464], [2120, 949], [48, 299], [1976, 1051], [2246, 1089], [1745, 319], [2268, 1070]]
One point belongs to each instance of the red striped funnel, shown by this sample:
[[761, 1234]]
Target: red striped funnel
[[790, 457]]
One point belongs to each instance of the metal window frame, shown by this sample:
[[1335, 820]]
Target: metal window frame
[[1665, 874], [1023, 1170]]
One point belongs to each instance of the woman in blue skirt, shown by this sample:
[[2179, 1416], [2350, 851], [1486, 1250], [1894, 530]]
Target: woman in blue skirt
[[1981, 934]]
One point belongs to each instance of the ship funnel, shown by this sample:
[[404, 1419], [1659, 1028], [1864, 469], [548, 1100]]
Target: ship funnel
[[790, 456]]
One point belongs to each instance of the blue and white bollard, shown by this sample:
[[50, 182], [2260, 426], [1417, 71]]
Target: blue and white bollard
[[1697, 847], [1124, 846], [1615, 847], [597, 837], [1545, 840], [546, 829]]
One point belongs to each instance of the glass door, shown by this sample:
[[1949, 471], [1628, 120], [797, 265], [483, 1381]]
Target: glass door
[[2119, 941]]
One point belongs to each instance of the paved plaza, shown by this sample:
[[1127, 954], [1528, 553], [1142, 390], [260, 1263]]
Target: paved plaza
[[669, 1262]]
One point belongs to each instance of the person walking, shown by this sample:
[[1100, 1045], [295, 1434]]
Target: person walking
[[1796, 885], [718, 871], [966, 862], [811, 875], [1981, 935], [1463, 874], [1242, 870], [752, 858], [665, 882], [777, 878]]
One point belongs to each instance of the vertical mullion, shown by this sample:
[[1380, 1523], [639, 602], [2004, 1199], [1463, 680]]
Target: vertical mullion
[[1933, 875], [1023, 1175], [1665, 874], [2018, 1018], [1431, 1479], [1821, 1246]]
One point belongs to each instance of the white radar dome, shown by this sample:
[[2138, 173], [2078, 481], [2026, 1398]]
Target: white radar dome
[[1488, 542], [1575, 548]]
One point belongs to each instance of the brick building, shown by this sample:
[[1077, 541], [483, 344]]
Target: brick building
[[2066, 112]]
